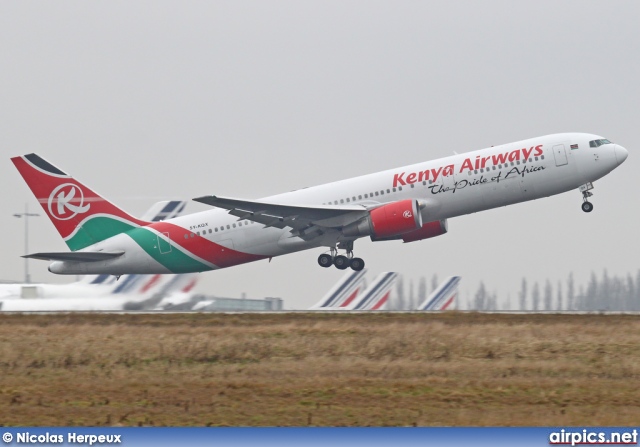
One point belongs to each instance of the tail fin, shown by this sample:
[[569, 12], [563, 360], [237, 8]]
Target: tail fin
[[80, 215], [443, 296], [343, 292], [377, 294]]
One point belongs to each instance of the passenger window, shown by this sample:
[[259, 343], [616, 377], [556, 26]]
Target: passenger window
[[341, 200], [347, 199], [376, 193], [360, 197], [228, 227], [186, 236]]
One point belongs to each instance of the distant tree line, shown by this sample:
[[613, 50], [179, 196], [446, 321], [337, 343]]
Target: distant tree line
[[616, 293]]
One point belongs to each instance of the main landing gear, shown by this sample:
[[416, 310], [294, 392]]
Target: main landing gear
[[586, 206], [339, 261]]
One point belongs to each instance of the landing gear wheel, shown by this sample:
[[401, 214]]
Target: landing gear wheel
[[325, 260], [357, 264], [587, 207], [341, 262]]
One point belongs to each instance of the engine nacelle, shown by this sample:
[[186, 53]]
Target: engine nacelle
[[388, 221], [430, 229]]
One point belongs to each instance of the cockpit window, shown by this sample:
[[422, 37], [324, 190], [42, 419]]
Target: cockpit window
[[596, 143]]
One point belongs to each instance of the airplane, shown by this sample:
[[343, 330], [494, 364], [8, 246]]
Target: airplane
[[409, 203], [343, 292], [443, 296]]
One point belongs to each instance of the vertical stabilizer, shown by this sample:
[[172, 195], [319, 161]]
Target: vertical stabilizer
[[377, 294], [81, 216], [443, 297], [343, 292]]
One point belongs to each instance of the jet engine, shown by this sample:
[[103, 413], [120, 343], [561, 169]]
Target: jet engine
[[397, 220], [387, 221], [430, 229]]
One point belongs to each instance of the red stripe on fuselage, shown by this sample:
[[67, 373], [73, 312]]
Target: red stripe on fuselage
[[203, 248]]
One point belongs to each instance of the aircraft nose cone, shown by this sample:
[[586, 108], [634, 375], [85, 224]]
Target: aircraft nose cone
[[621, 154]]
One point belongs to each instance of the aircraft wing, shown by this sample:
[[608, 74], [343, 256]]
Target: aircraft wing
[[77, 256], [302, 219]]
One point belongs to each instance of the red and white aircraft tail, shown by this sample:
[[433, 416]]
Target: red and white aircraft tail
[[443, 297], [342, 294], [376, 296], [81, 216]]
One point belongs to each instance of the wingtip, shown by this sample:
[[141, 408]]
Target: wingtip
[[205, 199]]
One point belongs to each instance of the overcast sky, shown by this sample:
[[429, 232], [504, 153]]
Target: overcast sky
[[145, 101]]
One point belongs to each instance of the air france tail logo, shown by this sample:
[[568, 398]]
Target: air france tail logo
[[62, 197], [407, 214]]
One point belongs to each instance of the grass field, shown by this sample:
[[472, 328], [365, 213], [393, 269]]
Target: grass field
[[380, 369]]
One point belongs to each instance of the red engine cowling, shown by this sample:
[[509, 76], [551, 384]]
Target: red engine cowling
[[430, 229], [388, 221]]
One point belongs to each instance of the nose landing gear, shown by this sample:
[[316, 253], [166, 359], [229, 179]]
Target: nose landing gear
[[587, 206], [339, 261]]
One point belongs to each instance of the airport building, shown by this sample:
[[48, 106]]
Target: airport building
[[216, 304]]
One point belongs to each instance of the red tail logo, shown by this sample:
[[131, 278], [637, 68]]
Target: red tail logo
[[63, 196]]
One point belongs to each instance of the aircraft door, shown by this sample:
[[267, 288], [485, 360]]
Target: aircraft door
[[164, 245], [560, 154]]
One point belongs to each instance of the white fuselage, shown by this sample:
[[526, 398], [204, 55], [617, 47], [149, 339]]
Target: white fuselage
[[446, 187]]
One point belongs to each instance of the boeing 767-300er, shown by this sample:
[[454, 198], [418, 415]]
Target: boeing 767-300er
[[410, 203]]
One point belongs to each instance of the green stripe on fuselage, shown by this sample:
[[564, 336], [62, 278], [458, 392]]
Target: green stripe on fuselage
[[95, 230], [174, 260]]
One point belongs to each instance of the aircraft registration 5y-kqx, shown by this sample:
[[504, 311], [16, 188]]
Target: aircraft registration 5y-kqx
[[410, 203]]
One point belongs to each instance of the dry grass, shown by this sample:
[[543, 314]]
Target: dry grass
[[319, 369]]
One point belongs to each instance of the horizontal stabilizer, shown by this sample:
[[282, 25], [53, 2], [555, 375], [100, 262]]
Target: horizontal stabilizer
[[78, 256]]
